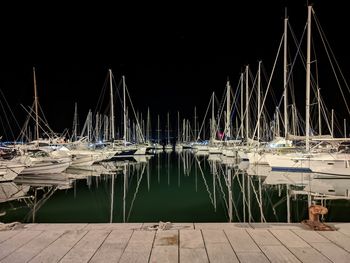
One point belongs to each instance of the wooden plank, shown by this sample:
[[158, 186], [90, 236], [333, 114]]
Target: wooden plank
[[60, 247], [193, 255], [32, 248], [191, 239], [276, 226], [114, 226], [289, 238], [10, 245], [241, 241], [345, 231], [86, 247], [139, 247], [4, 235], [166, 246], [113, 247], [333, 252], [338, 238], [263, 237], [214, 236], [165, 254], [182, 226], [309, 254], [278, 253], [311, 236], [220, 252], [192, 247], [58, 227], [167, 238], [218, 246], [249, 257], [221, 225]]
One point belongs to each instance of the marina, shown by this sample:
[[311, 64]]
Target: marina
[[246, 167]]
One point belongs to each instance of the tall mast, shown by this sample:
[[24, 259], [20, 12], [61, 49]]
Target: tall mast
[[213, 118], [195, 123], [36, 107], [124, 110], [247, 102], [148, 125], [228, 109], [285, 74], [168, 129], [158, 127], [307, 103], [259, 81], [112, 105], [178, 126], [75, 123], [242, 111]]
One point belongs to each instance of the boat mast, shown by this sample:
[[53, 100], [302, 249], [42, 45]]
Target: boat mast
[[124, 110], [213, 118], [75, 123], [36, 107], [247, 103], [112, 105], [259, 81], [148, 125], [195, 123], [158, 128], [228, 109], [178, 126], [285, 74], [307, 103], [242, 111], [168, 142]]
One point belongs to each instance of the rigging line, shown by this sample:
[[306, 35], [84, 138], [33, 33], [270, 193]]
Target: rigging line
[[24, 128], [137, 121], [269, 83], [43, 119], [325, 41], [222, 191], [236, 96], [30, 115], [12, 114], [257, 198], [251, 92], [102, 94], [205, 182], [234, 105], [136, 191], [233, 203], [298, 51]]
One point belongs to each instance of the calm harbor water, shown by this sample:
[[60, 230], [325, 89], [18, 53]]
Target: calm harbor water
[[167, 186]]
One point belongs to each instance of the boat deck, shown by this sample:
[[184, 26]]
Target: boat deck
[[178, 242]]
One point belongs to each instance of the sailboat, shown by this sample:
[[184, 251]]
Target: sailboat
[[310, 159], [43, 161], [124, 147], [168, 145], [157, 145]]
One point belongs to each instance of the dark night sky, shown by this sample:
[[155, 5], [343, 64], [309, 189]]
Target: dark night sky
[[173, 56]]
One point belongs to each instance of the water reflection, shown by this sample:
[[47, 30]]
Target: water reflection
[[177, 186]]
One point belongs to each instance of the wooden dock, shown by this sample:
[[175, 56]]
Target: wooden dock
[[181, 242]]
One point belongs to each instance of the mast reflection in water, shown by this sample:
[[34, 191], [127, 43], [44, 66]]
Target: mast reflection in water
[[171, 186]]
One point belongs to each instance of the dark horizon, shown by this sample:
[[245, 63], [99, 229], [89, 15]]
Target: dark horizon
[[172, 62]]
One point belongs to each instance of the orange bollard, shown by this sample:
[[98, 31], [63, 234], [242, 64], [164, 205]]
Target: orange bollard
[[314, 219]]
